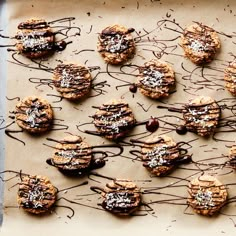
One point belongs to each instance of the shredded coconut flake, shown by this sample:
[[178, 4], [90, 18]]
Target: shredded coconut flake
[[152, 78], [156, 156], [33, 114], [204, 198], [197, 46], [117, 199], [116, 43]]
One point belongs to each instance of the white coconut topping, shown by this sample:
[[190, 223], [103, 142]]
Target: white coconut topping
[[156, 155], [152, 78], [204, 198], [117, 199], [117, 43], [33, 114], [197, 46]]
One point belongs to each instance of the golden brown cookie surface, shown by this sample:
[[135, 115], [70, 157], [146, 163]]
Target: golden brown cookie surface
[[207, 195], [34, 114], [159, 154], [202, 115], [121, 197], [114, 119], [232, 157], [200, 43], [36, 194], [156, 78], [34, 38], [72, 80], [72, 155], [116, 44], [230, 78]]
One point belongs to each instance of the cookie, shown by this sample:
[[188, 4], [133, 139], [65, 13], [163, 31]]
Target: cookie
[[34, 114], [232, 157], [156, 79], [34, 38], [72, 155], [160, 155], [207, 195], [202, 115], [230, 78], [114, 119], [121, 197], [116, 44], [200, 43], [36, 194], [72, 80]]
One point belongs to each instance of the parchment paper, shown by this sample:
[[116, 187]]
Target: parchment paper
[[94, 15]]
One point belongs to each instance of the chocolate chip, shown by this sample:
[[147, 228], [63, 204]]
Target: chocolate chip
[[181, 129], [152, 125], [133, 88]]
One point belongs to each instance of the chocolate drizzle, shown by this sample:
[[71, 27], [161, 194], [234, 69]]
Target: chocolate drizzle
[[36, 194], [72, 81], [160, 155], [34, 114], [121, 197], [115, 41], [73, 156], [113, 120]]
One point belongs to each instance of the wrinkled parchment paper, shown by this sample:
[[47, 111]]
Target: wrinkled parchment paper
[[92, 16]]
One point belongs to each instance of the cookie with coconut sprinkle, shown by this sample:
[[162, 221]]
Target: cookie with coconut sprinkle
[[201, 115], [200, 43], [72, 80], [116, 44], [36, 194], [160, 155], [34, 38], [121, 197], [114, 119], [72, 155], [230, 78], [207, 195], [34, 114], [156, 79]]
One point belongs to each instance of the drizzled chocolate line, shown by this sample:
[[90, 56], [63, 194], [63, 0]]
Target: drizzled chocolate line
[[211, 111], [205, 79], [113, 120], [39, 64], [162, 155], [32, 32], [115, 41], [77, 157], [40, 188], [9, 132]]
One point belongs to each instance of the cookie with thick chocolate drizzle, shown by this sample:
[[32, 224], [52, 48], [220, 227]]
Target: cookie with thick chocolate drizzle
[[207, 195], [121, 197], [160, 155], [116, 44], [34, 114], [36, 194], [201, 115], [72, 155], [72, 80], [230, 78], [156, 79], [200, 43], [34, 38], [114, 119]]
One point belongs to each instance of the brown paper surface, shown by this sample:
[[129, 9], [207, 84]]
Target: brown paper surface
[[92, 16]]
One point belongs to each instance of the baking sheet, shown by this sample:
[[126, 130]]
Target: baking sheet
[[91, 18]]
